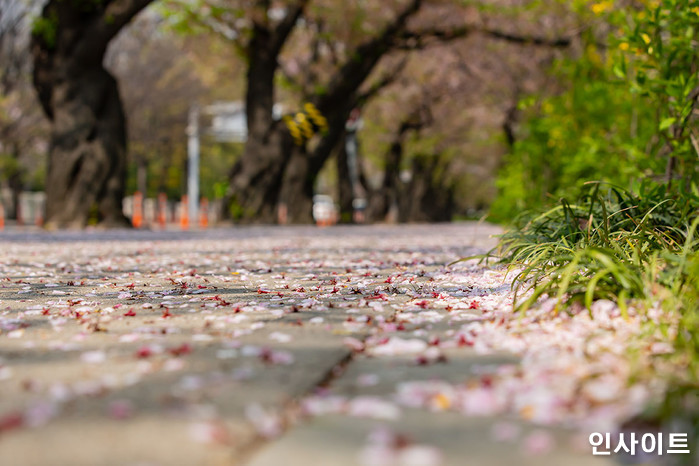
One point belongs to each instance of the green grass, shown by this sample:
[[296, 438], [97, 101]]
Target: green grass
[[610, 244], [638, 249]]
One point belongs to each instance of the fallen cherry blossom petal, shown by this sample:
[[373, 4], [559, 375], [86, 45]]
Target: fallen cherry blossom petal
[[93, 357], [398, 346], [266, 422], [538, 442], [373, 407], [120, 409]]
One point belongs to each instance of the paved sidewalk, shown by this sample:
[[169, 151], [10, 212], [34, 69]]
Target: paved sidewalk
[[260, 346]]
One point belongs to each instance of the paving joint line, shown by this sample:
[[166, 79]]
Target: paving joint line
[[290, 411]]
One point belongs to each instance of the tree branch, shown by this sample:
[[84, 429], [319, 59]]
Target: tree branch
[[223, 30], [386, 80], [285, 26], [351, 75], [222, 23], [411, 40], [105, 25], [557, 42]]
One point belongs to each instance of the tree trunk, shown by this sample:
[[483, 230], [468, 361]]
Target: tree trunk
[[390, 193], [87, 153], [387, 195], [428, 197], [142, 174], [303, 168], [256, 178], [351, 182], [15, 184], [344, 183], [297, 187]]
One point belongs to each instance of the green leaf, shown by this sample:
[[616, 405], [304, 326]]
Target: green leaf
[[666, 123], [618, 71]]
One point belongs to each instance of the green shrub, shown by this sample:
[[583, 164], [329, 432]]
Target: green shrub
[[625, 114], [627, 119], [611, 244]]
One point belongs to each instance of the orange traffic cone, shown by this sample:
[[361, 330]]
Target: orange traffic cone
[[162, 210], [137, 218], [184, 214], [204, 214]]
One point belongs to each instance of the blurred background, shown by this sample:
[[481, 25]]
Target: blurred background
[[420, 111]]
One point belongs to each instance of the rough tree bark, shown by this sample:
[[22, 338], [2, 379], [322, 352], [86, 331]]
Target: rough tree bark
[[87, 153], [255, 179]]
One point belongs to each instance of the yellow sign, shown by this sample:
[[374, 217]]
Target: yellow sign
[[303, 125]]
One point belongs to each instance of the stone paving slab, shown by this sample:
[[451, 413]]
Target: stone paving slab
[[456, 440], [207, 348], [346, 441], [181, 348]]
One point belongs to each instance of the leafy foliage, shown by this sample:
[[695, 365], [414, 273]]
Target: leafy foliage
[[627, 119], [46, 28], [626, 114]]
